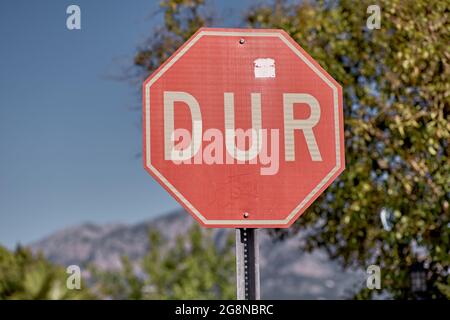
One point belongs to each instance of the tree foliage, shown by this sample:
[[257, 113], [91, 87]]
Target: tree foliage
[[25, 276], [181, 19], [396, 105], [195, 268]]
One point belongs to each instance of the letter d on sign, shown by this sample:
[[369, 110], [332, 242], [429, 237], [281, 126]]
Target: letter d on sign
[[170, 97]]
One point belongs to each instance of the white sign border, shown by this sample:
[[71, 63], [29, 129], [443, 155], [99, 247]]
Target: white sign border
[[176, 192]]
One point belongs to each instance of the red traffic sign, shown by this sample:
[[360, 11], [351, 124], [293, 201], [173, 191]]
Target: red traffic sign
[[243, 128]]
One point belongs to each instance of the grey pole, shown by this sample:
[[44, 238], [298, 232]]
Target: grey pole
[[247, 264]]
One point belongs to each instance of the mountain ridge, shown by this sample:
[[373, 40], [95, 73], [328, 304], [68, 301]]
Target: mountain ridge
[[286, 272]]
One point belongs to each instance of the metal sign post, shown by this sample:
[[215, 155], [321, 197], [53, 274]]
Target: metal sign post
[[247, 264]]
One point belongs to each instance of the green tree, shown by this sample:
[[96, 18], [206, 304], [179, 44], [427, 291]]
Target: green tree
[[25, 276], [195, 268], [181, 19], [396, 105], [445, 289], [118, 284]]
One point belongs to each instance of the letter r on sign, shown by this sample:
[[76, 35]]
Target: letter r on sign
[[306, 125]]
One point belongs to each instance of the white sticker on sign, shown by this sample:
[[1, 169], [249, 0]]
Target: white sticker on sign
[[264, 68]]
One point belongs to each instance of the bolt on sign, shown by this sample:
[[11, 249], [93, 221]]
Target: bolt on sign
[[243, 128]]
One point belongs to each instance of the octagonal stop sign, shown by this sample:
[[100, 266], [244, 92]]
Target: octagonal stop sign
[[243, 128]]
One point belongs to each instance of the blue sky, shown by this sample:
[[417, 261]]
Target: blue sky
[[68, 140]]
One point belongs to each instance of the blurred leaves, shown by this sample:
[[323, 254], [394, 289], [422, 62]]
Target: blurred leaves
[[181, 19], [24, 276], [445, 289], [194, 268], [396, 105]]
